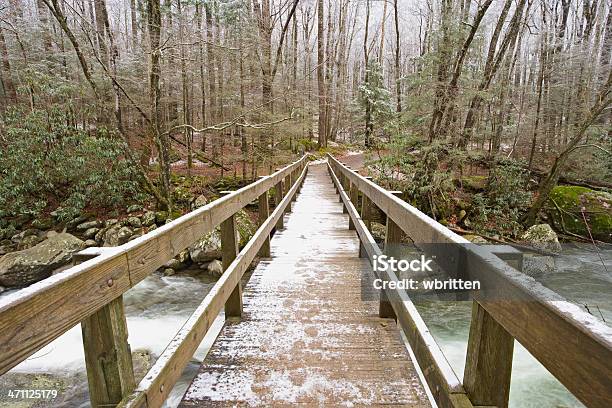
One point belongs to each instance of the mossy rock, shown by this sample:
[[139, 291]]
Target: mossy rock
[[474, 183], [597, 211]]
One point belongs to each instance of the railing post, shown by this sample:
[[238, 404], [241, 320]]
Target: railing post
[[393, 237], [366, 210], [108, 356], [288, 183], [488, 365], [229, 251], [353, 195], [278, 197], [264, 213]]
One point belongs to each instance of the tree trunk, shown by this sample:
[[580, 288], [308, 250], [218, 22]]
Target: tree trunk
[[320, 75], [369, 126], [161, 140], [210, 68], [7, 79], [398, 73]]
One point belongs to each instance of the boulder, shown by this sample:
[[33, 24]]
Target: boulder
[[134, 222], [183, 256], [134, 208], [175, 264], [116, 235], [215, 268], [90, 243], [200, 201], [33, 264], [570, 202], [475, 239], [124, 235], [148, 219], [169, 272], [378, 231], [70, 225], [110, 222], [99, 238], [91, 232], [30, 241], [161, 217], [89, 224], [537, 266], [542, 237], [29, 232], [474, 183], [207, 248]]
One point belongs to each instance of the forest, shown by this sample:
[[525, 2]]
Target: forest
[[490, 116]]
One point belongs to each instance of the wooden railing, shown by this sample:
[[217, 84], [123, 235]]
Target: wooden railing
[[91, 294], [573, 345]]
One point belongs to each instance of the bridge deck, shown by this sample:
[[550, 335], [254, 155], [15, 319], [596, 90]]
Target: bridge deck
[[306, 337]]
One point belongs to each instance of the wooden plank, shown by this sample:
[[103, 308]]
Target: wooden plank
[[108, 357], [35, 316], [158, 382]]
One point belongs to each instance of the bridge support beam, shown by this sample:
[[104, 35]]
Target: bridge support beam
[[393, 237], [354, 197], [229, 251], [488, 365], [366, 209], [108, 356], [264, 213], [278, 197]]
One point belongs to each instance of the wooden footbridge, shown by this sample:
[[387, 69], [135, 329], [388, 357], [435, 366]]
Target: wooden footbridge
[[300, 333]]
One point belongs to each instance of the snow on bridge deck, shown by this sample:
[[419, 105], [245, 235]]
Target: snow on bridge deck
[[306, 337]]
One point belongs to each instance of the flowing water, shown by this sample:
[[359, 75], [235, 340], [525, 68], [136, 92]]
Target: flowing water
[[158, 306], [580, 276], [155, 309]]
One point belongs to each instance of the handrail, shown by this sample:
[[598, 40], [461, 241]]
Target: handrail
[[441, 378], [33, 317], [158, 382], [546, 324]]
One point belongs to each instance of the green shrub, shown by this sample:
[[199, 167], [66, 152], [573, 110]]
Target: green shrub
[[45, 163], [506, 196], [309, 145]]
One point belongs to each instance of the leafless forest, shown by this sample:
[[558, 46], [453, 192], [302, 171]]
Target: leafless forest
[[436, 92]]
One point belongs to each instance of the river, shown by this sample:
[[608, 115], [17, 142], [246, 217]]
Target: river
[[579, 276], [158, 306]]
